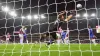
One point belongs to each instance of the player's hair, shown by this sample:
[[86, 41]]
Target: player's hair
[[60, 17]]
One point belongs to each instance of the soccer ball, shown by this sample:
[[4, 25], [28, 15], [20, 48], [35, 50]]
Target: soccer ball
[[79, 6]]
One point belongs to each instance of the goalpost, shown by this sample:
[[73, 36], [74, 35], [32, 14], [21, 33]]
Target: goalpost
[[38, 18]]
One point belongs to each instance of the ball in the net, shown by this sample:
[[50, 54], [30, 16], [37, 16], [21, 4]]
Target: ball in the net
[[79, 6]]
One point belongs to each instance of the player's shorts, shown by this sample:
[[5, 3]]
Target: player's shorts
[[21, 36], [58, 35], [7, 38], [25, 36], [67, 38], [92, 37], [63, 36]]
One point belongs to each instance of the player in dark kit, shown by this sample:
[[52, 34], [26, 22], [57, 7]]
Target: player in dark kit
[[58, 24]]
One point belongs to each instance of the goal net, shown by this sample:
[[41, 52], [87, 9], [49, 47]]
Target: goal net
[[49, 28]]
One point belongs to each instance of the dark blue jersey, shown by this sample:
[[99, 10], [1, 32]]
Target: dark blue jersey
[[25, 34], [91, 34], [63, 35]]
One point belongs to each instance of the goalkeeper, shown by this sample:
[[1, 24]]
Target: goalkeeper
[[58, 23]]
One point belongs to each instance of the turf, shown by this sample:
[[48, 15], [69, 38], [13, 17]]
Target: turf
[[53, 50]]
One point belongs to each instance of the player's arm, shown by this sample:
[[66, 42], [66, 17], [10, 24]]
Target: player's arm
[[69, 17], [72, 13]]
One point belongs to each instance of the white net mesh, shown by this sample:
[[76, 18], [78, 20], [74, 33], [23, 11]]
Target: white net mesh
[[27, 28]]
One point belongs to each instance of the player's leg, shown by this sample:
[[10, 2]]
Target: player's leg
[[66, 40], [58, 38], [53, 34], [93, 39], [21, 38], [63, 38], [7, 40], [94, 42], [49, 42], [26, 40], [25, 37]]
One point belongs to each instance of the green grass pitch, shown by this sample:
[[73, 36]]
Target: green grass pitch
[[53, 50]]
